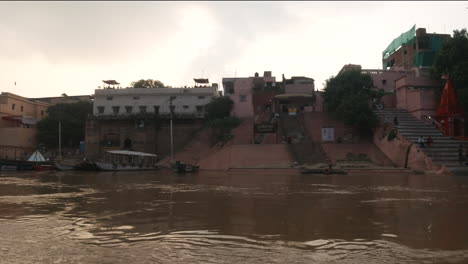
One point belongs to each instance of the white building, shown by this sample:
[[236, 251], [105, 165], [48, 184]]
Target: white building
[[130, 101]]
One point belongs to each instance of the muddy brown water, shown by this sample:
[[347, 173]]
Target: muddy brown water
[[236, 217]]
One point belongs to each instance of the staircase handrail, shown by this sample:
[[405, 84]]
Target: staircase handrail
[[437, 124], [377, 106]]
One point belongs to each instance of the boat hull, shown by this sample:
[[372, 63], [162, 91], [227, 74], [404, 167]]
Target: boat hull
[[107, 166], [64, 167]]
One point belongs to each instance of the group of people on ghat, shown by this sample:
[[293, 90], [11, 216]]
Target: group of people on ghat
[[429, 141]]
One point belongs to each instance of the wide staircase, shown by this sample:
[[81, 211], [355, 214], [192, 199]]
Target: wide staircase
[[302, 148], [444, 150]]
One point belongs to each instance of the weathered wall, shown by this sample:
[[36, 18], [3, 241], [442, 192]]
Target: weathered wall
[[17, 142], [338, 151], [315, 120], [396, 150], [247, 156], [298, 88], [152, 138]]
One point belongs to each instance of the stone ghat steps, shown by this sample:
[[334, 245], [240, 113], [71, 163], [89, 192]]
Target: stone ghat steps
[[444, 150]]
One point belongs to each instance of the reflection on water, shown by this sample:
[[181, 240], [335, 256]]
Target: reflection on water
[[160, 217]]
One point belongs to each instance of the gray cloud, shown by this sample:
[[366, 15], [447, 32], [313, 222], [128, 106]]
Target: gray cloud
[[85, 31]]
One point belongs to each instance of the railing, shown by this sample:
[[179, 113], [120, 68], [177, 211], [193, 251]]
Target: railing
[[434, 122], [380, 108]]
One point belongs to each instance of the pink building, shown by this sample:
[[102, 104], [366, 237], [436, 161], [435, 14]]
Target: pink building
[[241, 91], [417, 95]]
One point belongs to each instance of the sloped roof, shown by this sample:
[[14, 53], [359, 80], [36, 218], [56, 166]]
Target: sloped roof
[[37, 156], [111, 82], [131, 153], [201, 80]]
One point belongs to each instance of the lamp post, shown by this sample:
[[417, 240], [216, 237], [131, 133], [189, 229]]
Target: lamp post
[[172, 140]]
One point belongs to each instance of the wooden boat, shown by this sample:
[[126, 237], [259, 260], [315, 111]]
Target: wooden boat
[[181, 167], [64, 166], [125, 160], [87, 166]]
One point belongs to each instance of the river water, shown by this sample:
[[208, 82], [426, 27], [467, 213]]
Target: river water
[[236, 217]]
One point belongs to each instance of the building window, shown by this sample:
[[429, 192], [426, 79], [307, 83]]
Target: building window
[[243, 98], [142, 109], [185, 106], [109, 98], [116, 109], [384, 82], [22, 108], [128, 109], [199, 108], [13, 107], [201, 97], [156, 109], [136, 97], [100, 109]]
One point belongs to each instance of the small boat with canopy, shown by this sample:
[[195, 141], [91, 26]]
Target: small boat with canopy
[[126, 160]]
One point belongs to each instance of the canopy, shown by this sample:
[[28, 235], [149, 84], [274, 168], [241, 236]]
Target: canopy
[[201, 80], [398, 42], [131, 153], [37, 156], [449, 106], [111, 82]]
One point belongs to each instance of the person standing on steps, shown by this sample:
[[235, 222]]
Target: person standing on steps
[[429, 141], [395, 121]]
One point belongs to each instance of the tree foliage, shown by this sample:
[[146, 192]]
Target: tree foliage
[[452, 60], [219, 107], [73, 120], [348, 97], [149, 83]]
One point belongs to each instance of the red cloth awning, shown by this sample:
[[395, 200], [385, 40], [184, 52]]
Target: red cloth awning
[[449, 106]]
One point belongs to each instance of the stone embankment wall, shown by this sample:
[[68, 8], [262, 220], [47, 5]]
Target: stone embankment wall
[[238, 153], [403, 153]]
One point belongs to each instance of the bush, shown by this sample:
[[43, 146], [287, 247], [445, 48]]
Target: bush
[[391, 135]]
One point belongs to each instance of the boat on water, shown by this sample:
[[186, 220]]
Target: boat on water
[[181, 167], [126, 160], [65, 166], [35, 162]]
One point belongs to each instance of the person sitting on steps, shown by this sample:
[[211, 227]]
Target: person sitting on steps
[[421, 142], [429, 141]]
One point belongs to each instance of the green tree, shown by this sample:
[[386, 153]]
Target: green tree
[[218, 113], [149, 83], [219, 107], [73, 120], [452, 60], [348, 97]]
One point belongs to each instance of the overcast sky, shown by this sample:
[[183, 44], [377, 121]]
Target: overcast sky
[[50, 48]]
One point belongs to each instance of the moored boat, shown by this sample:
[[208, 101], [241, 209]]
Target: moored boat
[[125, 160], [181, 167], [63, 166]]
